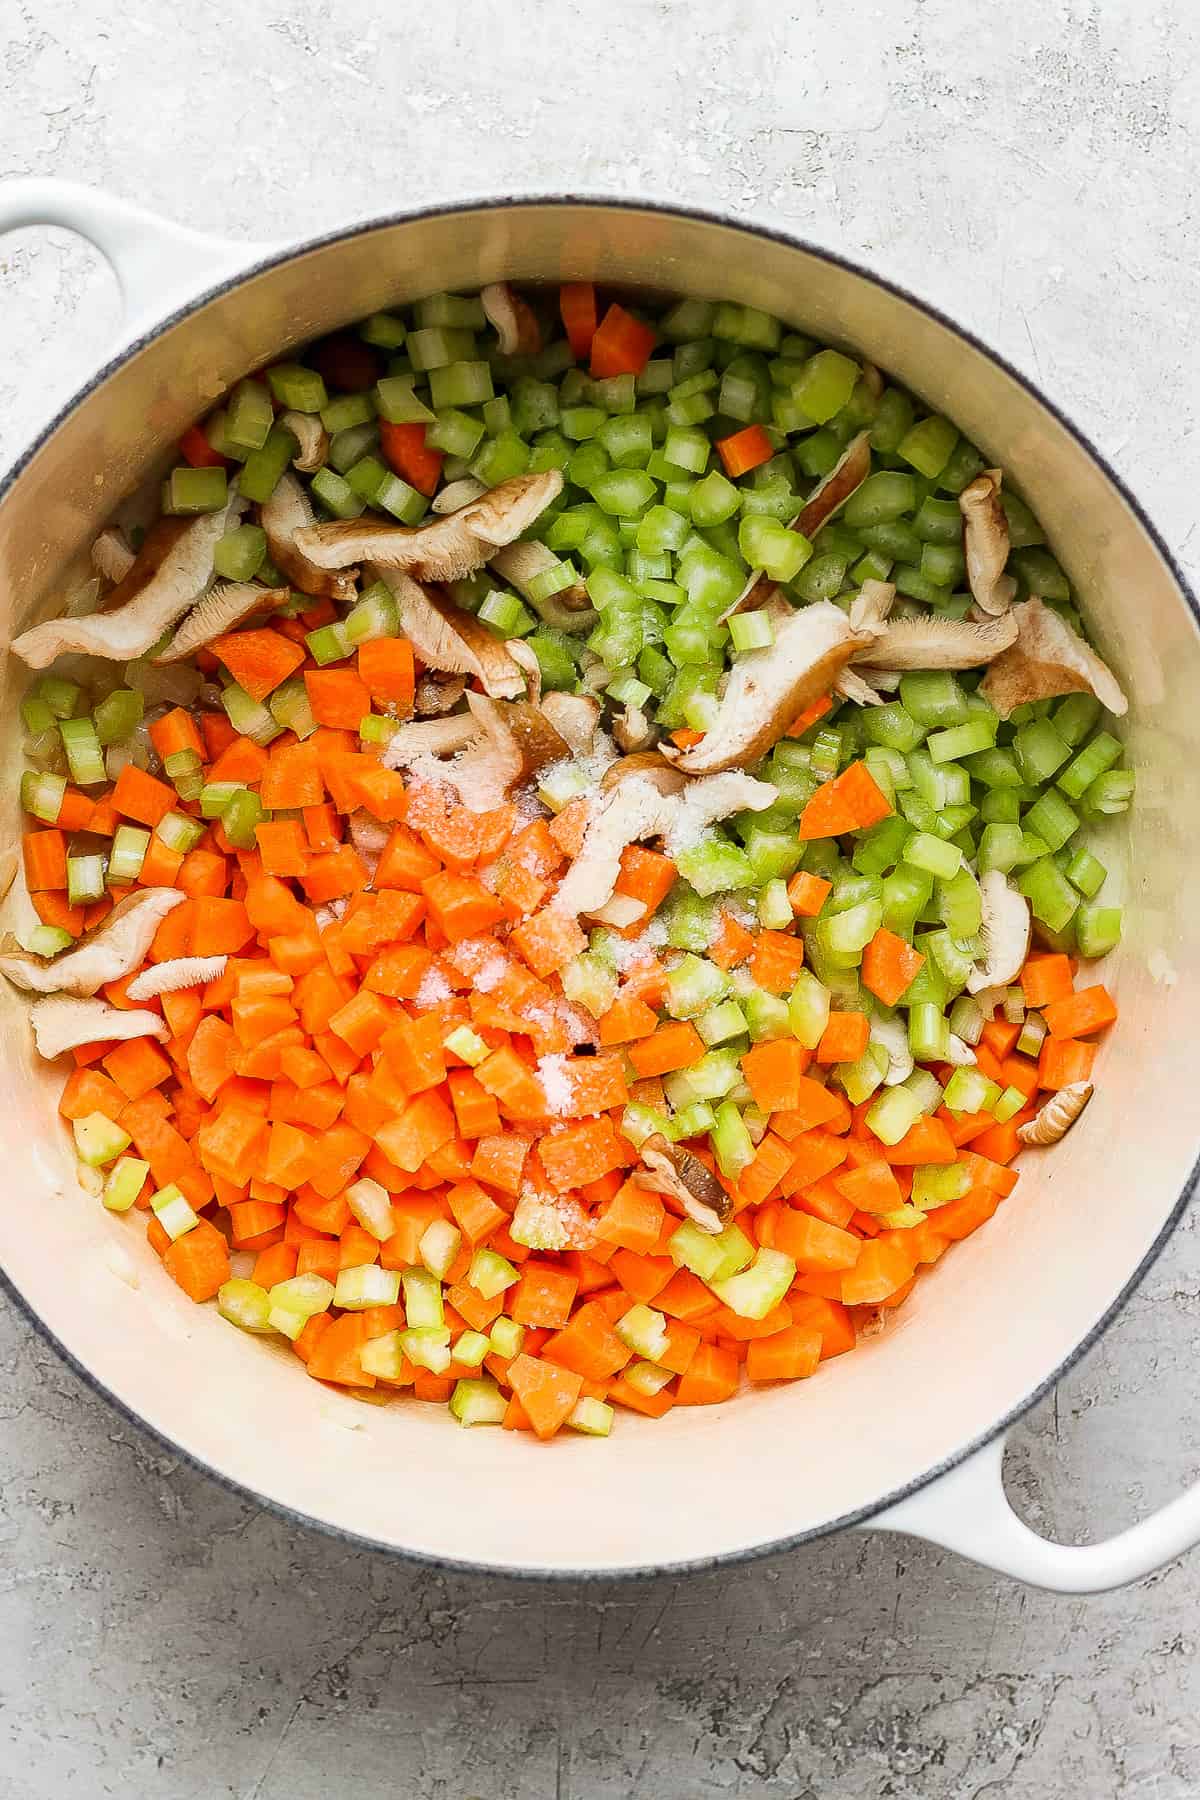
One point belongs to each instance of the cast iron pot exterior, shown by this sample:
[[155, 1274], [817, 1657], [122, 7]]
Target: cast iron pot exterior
[[987, 1332]]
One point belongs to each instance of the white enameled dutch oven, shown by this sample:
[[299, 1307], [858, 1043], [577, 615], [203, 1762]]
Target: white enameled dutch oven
[[906, 1435]]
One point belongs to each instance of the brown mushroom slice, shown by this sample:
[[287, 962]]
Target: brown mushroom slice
[[447, 638], [115, 949], [223, 607], [429, 738], [1048, 658], [514, 319], [448, 548], [851, 686], [985, 543], [871, 607], [636, 806], [933, 643], [438, 693], [111, 555], [312, 440], [62, 1022], [516, 741], [848, 472], [711, 797], [286, 518], [892, 1037], [1005, 932], [526, 660], [633, 732], [569, 609], [456, 494], [670, 1169], [173, 976], [168, 575], [1053, 1121], [767, 689], [576, 718]]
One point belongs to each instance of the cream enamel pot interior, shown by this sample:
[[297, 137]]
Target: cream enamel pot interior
[[907, 1434]]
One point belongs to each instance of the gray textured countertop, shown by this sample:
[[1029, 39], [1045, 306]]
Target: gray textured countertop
[[1031, 170]]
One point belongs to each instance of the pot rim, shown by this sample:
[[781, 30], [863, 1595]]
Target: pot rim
[[857, 1516]]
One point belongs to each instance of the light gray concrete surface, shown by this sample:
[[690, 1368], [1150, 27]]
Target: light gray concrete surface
[[1033, 171]]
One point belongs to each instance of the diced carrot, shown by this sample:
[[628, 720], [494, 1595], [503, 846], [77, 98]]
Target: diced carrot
[[581, 1153], [884, 1264], [851, 802], [844, 1039], [1046, 978], [137, 1065], [712, 1376], [387, 671], [1078, 1015], [927, 1141], [198, 1261], [577, 306], [282, 846], [259, 660], [547, 1392], [1064, 1061], [777, 961], [814, 1246], [406, 452], [45, 855], [588, 1345], [788, 1355], [53, 908], [889, 966], [774, 1071], [139, 796], [460, 906], [632, 1219], [548, 941], [621, 344], [338, 697], [745, 450], [673, 1046], [808, 893]]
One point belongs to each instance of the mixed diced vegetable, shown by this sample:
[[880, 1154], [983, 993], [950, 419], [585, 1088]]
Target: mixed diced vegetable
[[561, 846]]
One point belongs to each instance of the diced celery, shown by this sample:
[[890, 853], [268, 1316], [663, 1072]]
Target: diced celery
[[85, 879], [591, 1417], [731, 1141], [249, 415], [118, 715], [98, 1139], [245, 1304], [928, 1032], [893, 1114], [506, 1336], [934, 1184], [927, 445], [643, 1330], [711, 1257], [423, 1295], [298, 388], [1098, 929], [336, 493], [1008, 1105], [714, 866], [490, 1273], [397, 402], [931, 855], [808, 1009], [129, 847], [756, 1291], [84, 756], [45, 940], [934, 698], [1050, 895], [428, 1347], [467, 1045], [480, 1402], [262, 469], [188, 490], [173, 1212], [123, 1184], [42, 794]]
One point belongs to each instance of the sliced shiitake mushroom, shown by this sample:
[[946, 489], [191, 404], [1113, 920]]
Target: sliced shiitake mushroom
[[312, 440], [1048, 658], [767, 689], [985, 543], [447, 638], [576, 718], [932, 643], [1005, 932], [115, 949], [668, 1168], [286, 518], [171, 977], [833, 491], [223, 607], [438, 693], [111, 555], [448, 548], [569, 609], [168, 575], [514, 320], [63, 1022]]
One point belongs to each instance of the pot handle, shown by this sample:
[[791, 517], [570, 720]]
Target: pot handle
[[158, 264], [967, 1511]]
